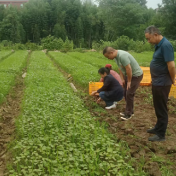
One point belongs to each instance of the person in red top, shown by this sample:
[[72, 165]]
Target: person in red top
[[113, 73]]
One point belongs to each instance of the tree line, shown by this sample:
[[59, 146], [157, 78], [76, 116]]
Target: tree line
[[84, 21]]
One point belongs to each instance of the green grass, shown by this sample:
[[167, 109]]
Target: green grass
[[56, 133], [9, 69], [94, 59], [81, 71], [143, 58], [5, 53]]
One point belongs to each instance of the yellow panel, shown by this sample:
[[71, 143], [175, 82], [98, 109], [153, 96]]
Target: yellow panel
[[94, 86]]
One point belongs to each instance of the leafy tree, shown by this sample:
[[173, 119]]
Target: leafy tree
[[122, 17], [10, 28], [85, 22], [168, 14], [59, 31], [35, 19], [2, 9]]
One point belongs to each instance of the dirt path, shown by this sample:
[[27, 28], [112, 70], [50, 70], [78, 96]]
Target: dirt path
[[9, 111]]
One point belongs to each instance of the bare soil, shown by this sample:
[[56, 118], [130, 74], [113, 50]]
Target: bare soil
[[134, 130], [9, 111]]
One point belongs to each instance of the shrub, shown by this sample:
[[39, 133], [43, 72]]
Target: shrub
[[139, 46], [68, 45], [33, 46], [101, 45], [19, 46], [173, 42], [5, 45], [51, 43], [123, 43]]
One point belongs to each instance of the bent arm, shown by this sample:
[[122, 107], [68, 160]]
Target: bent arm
[[172, 71], [105, 87], [121, 75], [129, 72]]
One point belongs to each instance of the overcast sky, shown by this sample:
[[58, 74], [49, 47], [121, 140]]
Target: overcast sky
[[150, 3], [153, 3]]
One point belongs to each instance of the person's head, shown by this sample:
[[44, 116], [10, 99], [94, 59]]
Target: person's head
[[104, 72], [153, 35], [109, 53], [108, 66]]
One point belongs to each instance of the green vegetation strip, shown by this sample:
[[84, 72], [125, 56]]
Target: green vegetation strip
[[143, 58], [56, 133], [9, 68], [84, 66], [93, 58], [4, 54], [82, 72]]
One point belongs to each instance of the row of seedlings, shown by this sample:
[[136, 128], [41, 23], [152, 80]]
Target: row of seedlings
[[9, 69], [56, 133]]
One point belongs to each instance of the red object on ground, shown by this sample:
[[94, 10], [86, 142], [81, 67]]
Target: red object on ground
[[108, 65]]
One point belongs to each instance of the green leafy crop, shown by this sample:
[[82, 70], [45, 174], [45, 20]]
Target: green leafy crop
[[4, 53], [9, 68], [57, 135], [82, 72], [94, 58]]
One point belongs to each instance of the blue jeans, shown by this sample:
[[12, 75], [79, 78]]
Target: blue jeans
[[107, 100]]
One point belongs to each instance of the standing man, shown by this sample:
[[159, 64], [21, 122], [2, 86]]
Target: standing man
[[131, 75], [162, 69]]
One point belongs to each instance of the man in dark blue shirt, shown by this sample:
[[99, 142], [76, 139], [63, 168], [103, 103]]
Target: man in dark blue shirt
[[163, 72]]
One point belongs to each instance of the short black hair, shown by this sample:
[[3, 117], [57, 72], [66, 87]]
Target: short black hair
[[107, 49], [104, 70], [152, 30]]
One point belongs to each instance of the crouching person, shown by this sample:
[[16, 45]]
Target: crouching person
[[112, 91]]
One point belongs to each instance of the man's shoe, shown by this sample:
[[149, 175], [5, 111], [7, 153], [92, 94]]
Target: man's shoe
[[123, 114], [111, 107], [126, 117], [156, 138], [152, 131]]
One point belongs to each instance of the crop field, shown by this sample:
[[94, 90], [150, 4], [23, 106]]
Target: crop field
[[9, 68], [144, 58], [62, 133], [96, 60], [4, 54]]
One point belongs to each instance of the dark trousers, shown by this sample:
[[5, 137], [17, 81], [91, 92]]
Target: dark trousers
[[160, 99], [108, 101], [130, 93]]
